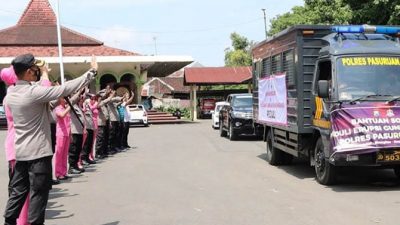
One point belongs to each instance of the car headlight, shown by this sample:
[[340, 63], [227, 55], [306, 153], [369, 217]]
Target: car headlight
[[244, 115]]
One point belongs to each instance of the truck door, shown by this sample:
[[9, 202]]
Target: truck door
[[321, 114]]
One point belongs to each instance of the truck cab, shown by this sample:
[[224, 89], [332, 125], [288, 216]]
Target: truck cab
[[339, 105]]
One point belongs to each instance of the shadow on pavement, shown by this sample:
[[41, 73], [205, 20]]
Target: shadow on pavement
[[52, 211], [350, 179], [112, 223]]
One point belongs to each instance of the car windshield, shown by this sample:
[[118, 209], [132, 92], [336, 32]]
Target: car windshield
[[362, 76], [243, 101]]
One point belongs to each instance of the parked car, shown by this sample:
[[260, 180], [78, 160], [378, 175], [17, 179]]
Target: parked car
[[237, 117], [206, 105], [137, 115], [215, 114], [3, 120]]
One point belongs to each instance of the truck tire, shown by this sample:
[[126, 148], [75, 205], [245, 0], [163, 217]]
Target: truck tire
[[222, 133], [396, 170], [274, 156], [232, 134], [325, 172]]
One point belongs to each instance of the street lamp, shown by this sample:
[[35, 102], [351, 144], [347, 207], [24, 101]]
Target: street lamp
[[265, 23]]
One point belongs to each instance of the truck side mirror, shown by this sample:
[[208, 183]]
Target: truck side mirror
[[323, 89]]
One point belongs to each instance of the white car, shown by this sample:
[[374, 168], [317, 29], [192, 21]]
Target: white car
[[215, 114], [137, 114]]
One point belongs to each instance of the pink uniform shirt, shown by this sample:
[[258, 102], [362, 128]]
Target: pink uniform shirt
[[95, 113], [63, 123], [9, 144]]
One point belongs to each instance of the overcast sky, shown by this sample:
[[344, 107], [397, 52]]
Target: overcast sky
[[200, 29]]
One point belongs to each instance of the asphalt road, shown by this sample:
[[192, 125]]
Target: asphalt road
[[187, 175]]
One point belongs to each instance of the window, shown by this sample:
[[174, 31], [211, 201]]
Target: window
[[266, 67], [276, 64], [288, 67]]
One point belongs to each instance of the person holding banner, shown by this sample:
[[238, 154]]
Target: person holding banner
[[28, 103]]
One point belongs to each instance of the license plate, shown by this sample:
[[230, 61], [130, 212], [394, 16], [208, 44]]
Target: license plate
[[388, 156]]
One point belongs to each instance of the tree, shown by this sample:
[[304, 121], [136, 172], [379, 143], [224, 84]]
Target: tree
[[240, 55], [313, 12], [377, 12]]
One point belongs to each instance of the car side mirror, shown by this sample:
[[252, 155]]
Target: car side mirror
[[323, 89]]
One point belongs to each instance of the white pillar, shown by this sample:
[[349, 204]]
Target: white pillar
[[193, 103]]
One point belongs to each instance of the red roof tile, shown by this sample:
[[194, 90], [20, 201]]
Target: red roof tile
[[176, 83], [43, 35], [38, 12], [52, 51], [36, 33], [217, 75]]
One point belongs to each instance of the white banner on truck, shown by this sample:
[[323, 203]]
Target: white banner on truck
[[272, 99]]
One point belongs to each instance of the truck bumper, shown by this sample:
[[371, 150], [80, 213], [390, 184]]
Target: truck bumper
[[367, 159]]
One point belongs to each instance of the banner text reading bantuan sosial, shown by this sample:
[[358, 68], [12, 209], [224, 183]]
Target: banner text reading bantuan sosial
[[365, 127]]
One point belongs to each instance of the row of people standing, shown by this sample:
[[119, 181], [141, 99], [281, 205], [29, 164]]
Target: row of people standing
[[42, 121], [92, 129]]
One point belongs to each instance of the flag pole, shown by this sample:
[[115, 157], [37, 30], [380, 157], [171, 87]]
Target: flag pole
[[60, 53]]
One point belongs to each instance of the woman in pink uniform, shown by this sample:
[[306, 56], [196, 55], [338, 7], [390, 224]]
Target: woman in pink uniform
[[63, 134], [9, 77], [93, 105]]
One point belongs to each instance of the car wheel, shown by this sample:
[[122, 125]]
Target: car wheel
[[222, 133], [325, 172], [232, 134]]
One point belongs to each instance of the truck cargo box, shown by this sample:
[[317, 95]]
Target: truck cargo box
[[294, 52]]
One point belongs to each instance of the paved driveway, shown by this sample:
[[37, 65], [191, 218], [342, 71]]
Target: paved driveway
[[187, 175]]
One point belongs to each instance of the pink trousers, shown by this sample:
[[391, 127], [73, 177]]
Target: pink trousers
[[61, 155], [23, 215]]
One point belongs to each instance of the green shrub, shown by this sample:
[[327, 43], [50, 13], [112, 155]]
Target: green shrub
[[185, 112]]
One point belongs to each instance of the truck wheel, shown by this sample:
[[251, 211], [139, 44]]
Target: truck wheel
[[325, 172], [397, 171], [222, 133], [232, 134], [274, 156]]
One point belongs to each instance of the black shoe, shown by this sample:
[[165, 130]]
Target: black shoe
[[128, 146], [89, 161], [63, 178], [81, 169], [112, 152], [74, 171], [55, 182], [102, 156]]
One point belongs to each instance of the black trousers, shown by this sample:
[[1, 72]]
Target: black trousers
[[101, 145], [106, 136], [53, 129], [33, 178], [88, 146], [113, 137], [75, 149], [125, 133]]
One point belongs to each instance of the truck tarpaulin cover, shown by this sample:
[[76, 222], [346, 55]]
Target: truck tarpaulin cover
[[272, 98], [365, 127]]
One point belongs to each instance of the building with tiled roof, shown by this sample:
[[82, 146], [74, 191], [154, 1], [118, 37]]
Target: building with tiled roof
[[36, 33]]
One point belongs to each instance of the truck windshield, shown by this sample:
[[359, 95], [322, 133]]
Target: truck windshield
[[369, 75], [243, 101]]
